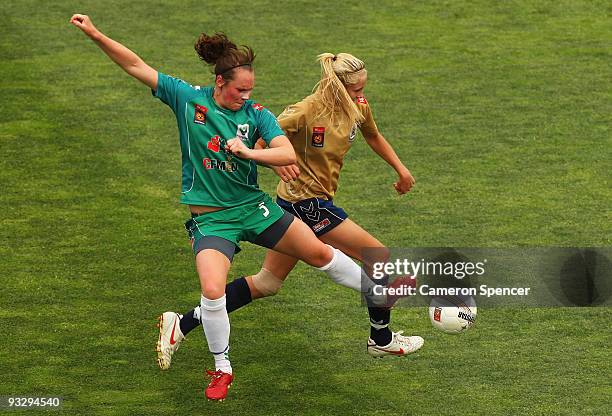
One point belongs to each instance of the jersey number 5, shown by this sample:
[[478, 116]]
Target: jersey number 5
[[266, 212]]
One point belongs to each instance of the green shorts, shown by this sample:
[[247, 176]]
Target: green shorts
[[236, 224]]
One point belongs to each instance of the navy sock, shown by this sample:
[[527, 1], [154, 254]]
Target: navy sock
[[380, 316], [237, 294], [188, 322]]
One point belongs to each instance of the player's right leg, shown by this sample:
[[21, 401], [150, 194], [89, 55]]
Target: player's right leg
[[173, 328], [171, 325], [212, 266]]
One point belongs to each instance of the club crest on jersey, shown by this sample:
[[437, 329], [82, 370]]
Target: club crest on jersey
[[318, 136], [214, 143], [361, 100], [200, 114], [258, 106], [353, 133], [243, 132]]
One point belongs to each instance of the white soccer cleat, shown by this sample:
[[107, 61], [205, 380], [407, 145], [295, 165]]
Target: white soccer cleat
[[400, 345], [170, 337]]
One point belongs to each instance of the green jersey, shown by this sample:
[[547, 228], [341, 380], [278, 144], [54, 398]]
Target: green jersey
[[210, 176]]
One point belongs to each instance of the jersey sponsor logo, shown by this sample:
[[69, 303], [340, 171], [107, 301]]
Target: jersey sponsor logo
[[361, 100], [200, 114], [353, 133], [242, 132], [222, 165], [258, 107], [318, 136], [214, 143], [319, 226], [437, 314]]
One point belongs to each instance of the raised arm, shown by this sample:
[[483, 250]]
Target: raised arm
[[122, 56]]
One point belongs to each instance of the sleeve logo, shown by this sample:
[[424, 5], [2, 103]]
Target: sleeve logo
[[200, 114], [318, 136], [258, 106]]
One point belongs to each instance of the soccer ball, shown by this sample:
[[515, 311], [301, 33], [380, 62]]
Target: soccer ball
[[452, 314]]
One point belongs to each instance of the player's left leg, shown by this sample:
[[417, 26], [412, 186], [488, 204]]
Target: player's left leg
[[353, 240], [173, 327]]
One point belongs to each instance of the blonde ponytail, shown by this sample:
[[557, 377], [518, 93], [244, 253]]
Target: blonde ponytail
[[333, 101]]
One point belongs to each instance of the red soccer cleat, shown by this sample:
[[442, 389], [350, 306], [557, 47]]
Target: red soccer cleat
[[219, 383]]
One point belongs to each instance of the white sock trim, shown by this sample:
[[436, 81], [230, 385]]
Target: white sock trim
[[332, 262], [378, 326], [212, 304]]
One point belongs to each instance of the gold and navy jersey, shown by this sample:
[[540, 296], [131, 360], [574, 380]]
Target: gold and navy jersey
[[319, 147]]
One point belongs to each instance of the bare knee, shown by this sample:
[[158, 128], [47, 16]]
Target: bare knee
[[212, 291], [321, 255], [212, 267]]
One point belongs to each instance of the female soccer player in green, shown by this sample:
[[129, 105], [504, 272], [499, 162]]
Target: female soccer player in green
[[218, 128], [322, 128]]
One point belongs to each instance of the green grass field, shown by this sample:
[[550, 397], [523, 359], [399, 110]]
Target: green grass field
[[501, 109]]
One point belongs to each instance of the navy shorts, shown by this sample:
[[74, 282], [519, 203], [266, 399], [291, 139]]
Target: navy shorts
[[319, 214]]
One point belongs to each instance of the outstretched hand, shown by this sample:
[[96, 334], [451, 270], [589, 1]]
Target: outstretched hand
[[83, 22]]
